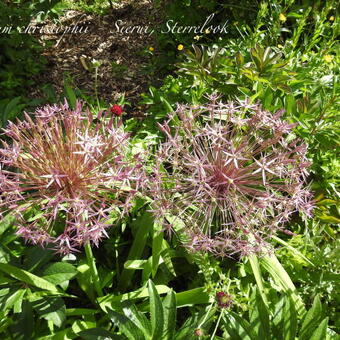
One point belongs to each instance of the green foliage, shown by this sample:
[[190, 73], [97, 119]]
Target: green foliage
[[20, 58], [279, 322], [281, 53], [162, 323]]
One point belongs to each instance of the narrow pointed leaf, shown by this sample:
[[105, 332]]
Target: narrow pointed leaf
[[31, 279], [156, 312], [126, 326], [170, 311]]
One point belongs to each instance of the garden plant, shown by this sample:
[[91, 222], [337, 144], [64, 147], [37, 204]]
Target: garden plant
[[206, 209]]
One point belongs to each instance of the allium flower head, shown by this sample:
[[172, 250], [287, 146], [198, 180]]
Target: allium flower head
[[231, 175], [64, 172]]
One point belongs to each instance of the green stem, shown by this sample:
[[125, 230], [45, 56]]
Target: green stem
[[93, 269], [217, 324]]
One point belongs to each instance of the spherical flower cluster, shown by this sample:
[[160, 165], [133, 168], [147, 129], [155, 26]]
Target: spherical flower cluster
[[230, 176], [65, 173]]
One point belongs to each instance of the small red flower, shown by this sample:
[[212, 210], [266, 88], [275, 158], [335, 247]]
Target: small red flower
[[224, 300], [117, 110]]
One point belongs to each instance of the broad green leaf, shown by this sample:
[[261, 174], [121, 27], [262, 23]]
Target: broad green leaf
[[6, 223], [59, 272], [259, 316], [81, 311], [126, 326], [311, 319], [281, 277], [31, 279], [277, 321], [135, 264], [144, 226], [255, 266], [139, 319], [98, 334], [237, 327], [147, 270], [192, 297], [156, 312], [16, 297], [169, 311], [71, 96], [295, 251], [289, 319], [320, 332], [166, 256], [157, 241], [111, 300], [51, 308], [81, 325]]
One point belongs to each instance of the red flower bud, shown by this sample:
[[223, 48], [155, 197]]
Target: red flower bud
[[117, 110], [223, 300]]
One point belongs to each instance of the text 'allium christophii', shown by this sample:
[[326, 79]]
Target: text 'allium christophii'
[[64, 172], [231, 175]]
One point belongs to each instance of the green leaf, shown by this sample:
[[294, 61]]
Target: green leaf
[[52, 309], [156, 312], [31, 279], [97, 334], [71, 96], [24, 327], [139, 319], [6, 223], [135, 264], [157, 241], [192, 297], [289, 319], [16, 297], [237, 327], [59, 272], [320, 332], [112, 300], [170, 311], [311, 319], [255, 266], [282, 279], [295, 251], [126, 326], [81, 311], [259, 316], [144, 226]]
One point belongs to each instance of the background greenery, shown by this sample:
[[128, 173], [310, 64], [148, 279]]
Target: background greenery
[[283, 54]]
